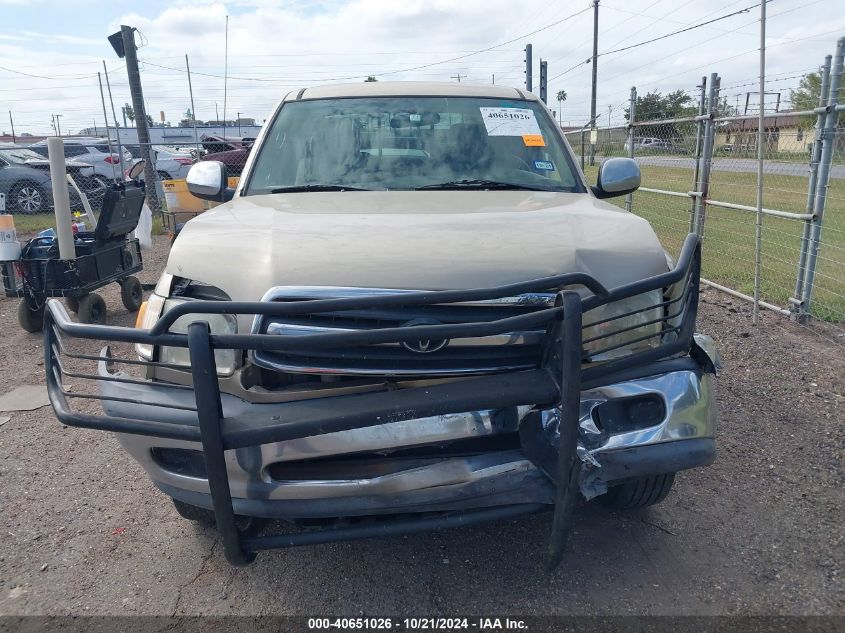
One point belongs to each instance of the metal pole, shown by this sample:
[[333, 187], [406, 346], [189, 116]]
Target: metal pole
[[828, 140], [61, 198], [106, 117], [582, 150], [595, 75], [632, 116], [193, 110], [798, 310], [137, 93], [704, 177], [699, 133], [761, 138], [528, 68], [225, 74], [116, 124], [59, 124], [14, 139]]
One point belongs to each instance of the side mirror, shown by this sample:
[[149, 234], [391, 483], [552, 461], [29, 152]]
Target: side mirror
[[136, 170], [617, 177], [207, 180]]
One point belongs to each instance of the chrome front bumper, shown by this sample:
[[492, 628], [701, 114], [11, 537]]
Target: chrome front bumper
[[682, 439]]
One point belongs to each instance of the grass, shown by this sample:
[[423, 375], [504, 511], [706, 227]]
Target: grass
[[729, 235], [29, 224]]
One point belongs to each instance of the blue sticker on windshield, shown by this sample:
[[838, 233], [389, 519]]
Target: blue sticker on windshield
[[544, 165]]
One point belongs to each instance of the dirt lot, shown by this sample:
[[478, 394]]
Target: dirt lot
[[759, 532]]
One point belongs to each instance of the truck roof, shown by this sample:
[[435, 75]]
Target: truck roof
[[407, 89]]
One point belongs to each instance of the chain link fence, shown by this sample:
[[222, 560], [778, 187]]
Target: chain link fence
[[700, 174], [93, 163]]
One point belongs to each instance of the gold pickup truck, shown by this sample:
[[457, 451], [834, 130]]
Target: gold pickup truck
[[412, 312]]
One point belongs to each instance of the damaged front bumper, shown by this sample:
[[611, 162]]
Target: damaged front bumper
[[676, 433], [573, 424]]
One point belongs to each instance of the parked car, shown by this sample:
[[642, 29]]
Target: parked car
[[657, 145], [232, 152], [95, 152], [170, 163], [412, 312], [25, 179]]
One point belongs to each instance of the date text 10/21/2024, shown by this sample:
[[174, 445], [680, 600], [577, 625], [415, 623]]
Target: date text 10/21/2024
[[417, 624]]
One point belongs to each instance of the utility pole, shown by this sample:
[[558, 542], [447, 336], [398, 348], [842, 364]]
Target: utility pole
[[595, 77], [543, 81], [458, 77], [193, 110], [14, 140], [528, 69], [494, 79], [59, 124], [134, 75]]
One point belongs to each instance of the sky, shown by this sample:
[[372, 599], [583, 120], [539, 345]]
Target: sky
[[51, 51]]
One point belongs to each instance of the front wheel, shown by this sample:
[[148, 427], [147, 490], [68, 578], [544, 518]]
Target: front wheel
[[28, 198], [640, 492], [247, 526], [30, 320], [132, 293], [92, 309]]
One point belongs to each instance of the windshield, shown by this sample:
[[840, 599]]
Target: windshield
[[411, 142], [19, 155]]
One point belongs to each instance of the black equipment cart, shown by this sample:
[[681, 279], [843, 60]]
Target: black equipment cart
[[103, 256]]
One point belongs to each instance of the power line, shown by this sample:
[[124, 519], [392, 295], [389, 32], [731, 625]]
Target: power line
[[403, 70], [689, 28]]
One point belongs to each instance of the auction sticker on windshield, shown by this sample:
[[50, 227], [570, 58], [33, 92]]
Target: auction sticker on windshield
[[510, 122]]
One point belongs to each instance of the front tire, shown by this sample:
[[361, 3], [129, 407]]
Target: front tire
[[640, 492], [247, 526], [92, 309], [30, 320], [28, 198], [132, 293]]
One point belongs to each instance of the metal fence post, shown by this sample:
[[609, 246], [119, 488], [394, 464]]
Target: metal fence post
[[699, 134], [707, 157], [828, 140], [632, 116], [797, 307]]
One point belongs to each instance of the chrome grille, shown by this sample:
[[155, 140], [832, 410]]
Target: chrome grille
[[477, 355]]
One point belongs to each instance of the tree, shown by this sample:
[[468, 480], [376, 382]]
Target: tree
[[656, 106], [129, 111], [370, 78], [150, 121], [806, 97], [561, 97]]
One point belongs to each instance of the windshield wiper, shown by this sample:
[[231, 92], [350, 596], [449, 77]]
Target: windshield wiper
[[316, 187], [479, 183]]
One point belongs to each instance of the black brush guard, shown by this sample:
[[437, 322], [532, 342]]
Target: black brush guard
[[556, 381]]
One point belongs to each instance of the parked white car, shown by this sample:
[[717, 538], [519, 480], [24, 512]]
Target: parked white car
[[171, 163], [94, 151]]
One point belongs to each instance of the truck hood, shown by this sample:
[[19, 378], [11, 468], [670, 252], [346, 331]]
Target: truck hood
[[433, 240]]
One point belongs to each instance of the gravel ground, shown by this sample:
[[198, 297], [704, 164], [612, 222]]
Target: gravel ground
[[759, 532]]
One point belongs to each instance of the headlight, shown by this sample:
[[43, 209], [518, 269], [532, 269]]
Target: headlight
[[606, 319], [157, 305]]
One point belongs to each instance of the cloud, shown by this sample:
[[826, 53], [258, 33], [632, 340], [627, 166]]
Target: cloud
[[276, 46]]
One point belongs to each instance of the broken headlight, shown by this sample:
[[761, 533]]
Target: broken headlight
[[157, 305], [624, 327]]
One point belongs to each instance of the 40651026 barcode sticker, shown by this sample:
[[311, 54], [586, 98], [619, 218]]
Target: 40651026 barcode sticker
[[509, 121]]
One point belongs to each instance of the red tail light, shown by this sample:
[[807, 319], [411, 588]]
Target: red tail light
[[112, 159]]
